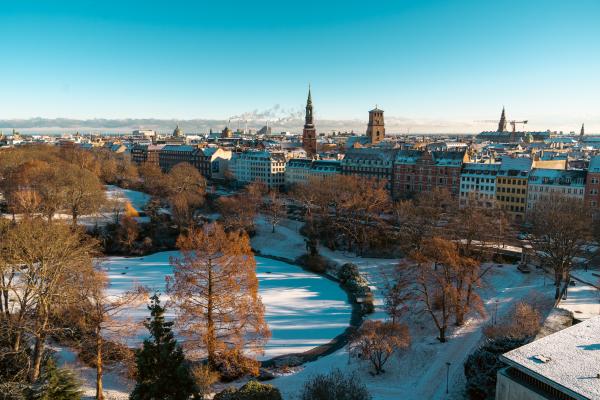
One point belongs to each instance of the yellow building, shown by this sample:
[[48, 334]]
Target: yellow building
[[511, 187]]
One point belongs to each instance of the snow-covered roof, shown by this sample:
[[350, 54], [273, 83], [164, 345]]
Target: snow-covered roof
[[594, 165], [517, 163], [179, 147], [568, 360], [548, 176]]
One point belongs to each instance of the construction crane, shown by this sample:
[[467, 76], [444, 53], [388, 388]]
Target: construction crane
[[514, 123]]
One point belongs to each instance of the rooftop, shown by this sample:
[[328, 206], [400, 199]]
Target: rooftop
[[595, 164], [568, 360]]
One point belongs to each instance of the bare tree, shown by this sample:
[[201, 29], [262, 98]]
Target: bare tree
[[441, 276], [274, 208], [84, 193], [216, 292], [128, 231], [377, 341], [186, 190], [103, 315], [561, 227], [52, 260]]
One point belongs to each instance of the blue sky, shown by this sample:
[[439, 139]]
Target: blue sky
[[434, 60]]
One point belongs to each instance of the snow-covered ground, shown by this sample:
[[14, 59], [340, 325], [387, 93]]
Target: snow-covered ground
[[583, 299], [137, 199], [303, 309], [420, 373], [116, 387], [286, 241]]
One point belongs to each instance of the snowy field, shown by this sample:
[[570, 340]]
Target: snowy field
[[303, 310]]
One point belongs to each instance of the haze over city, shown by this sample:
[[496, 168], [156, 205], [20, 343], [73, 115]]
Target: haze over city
[[433, 66], [334, 200]]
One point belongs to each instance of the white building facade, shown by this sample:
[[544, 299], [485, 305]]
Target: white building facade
[[259, 166], [544, 183], [301, 170], [478, 184]]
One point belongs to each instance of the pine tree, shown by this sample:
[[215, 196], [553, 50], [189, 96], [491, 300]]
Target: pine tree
[[56, 384], [161, 369]]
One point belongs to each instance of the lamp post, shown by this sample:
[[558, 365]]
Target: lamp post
[[447, 376], [496, 312]]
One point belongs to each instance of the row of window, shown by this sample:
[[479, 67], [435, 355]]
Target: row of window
[[547, 189], [510, 199], [477, 187], [477, 179], [507, 181], [511, 190]]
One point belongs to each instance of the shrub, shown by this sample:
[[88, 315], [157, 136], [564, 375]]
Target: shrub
[[483, 364], [204, 377], [350, 277], [227, 394], [252, 390], [348, 272], [232, 364], [314, 263], [334, 386], [522, 323]]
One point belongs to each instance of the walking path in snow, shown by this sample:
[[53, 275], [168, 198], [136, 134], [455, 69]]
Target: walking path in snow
[[420, 373]]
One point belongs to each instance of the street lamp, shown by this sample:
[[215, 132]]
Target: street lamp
[[496, 312], [447, 376]]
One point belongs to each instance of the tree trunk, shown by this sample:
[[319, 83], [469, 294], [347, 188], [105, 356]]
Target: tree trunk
[[99, 391], [38, 351], [210, 341], [442, 337], [17, 341]]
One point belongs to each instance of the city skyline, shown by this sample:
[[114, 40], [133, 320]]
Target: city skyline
[[433, 67]]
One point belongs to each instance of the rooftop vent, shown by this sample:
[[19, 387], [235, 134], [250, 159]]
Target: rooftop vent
[[542, 359]]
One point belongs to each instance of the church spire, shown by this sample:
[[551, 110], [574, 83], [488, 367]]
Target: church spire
[[308, 121], [582, 130], [309, 133], [502, 123]]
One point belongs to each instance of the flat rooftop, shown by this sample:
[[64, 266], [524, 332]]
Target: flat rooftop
[[568, 360]]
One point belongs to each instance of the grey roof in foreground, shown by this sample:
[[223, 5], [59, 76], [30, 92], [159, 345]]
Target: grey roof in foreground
[[568, 360]]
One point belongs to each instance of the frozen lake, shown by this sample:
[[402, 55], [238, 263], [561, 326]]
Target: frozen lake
[[303, 310]]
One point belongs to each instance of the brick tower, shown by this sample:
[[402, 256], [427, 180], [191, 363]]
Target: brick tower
[[309, 133], [376, 128]]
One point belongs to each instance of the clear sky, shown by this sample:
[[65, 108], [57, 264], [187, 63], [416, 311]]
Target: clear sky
[[427, 59]]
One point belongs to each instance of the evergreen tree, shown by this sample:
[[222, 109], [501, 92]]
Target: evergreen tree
[[162, 372], [56, 384], [481, 367]]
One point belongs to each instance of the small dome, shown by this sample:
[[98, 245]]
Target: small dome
[[178, 131]]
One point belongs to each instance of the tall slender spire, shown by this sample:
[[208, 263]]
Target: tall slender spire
[[502, 123], [582, 130], [309, 121], [309, 133]]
